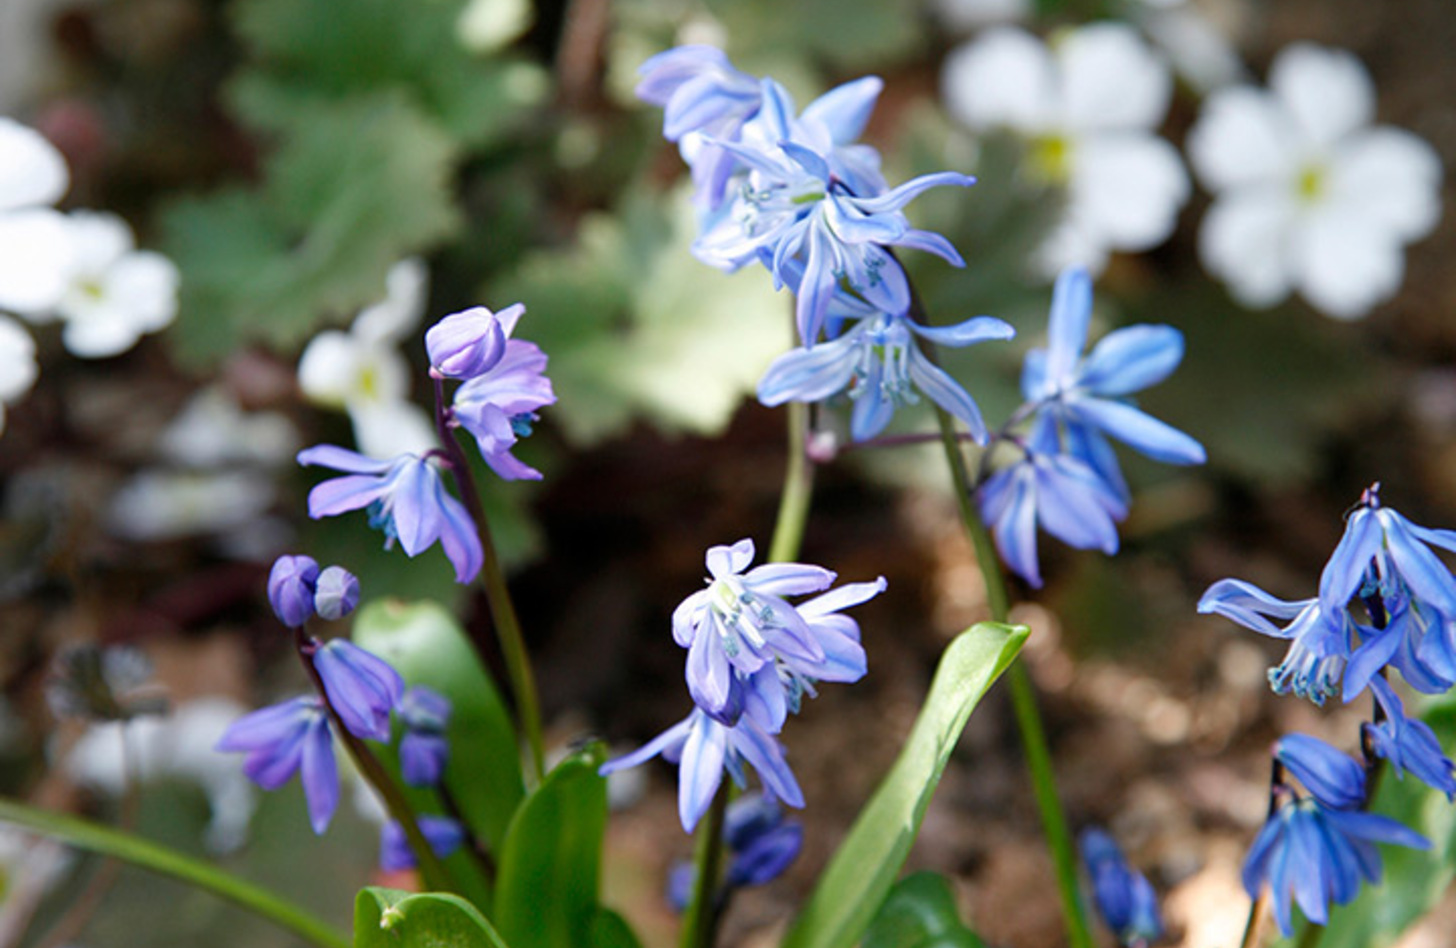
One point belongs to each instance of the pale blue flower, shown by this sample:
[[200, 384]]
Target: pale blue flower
[[1333, 777], [469, 343], [761, 843], [498, 406], [362, 687], [703, 748], [288, 738], [291, 584], [405, 499], [423, 748], [1408, 743], [1123, 896], [442, 833]]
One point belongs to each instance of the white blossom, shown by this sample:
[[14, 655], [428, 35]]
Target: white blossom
[[1086, 107], [1310, 197], [35, 249], [17, 363], [362, 371]]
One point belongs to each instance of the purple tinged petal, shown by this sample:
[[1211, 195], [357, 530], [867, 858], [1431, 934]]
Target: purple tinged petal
[[669, 744], [1330, 774], [443, 835], [872, 410], [422, 758], [515, 385], [946, 392], [1132, 359], [764, 699], [1014, 521], [1373, 654], [686, 616], [1248, 605], [319, 774], [1067, 330], [459, 538], [974, 330], [267, 727], [701, 769], [663, 73], [898, 197], [766, 755], [816, 289], [342, 459], [788, 579], [362, 687], [336, 593], [767, 856], [807, 158], [709, 676], [809, 375], [1073, 506], [1347, 566], [850, 594], [777, 111], [1140, 431], [291, 584], [468, 343], [729, 560], [851, 225], [343, 494], [1426, 575], [415, 505], [932, 243], [845, 109]]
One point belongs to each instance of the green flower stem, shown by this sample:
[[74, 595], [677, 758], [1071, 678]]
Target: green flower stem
[[700, 924], [498, 595], [395, 802], [146, 854], [793, 515]]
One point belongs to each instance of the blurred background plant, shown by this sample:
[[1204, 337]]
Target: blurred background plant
[[320, 175]]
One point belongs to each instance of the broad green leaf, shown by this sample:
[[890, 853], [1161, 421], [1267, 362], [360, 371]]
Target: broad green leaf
[[860, 875], [428, 647], [388, 918], [1413, 880], [610, 930], [546, 888], [345, 195], [920, 912]]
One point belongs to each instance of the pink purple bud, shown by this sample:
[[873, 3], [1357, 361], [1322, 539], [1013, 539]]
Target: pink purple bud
[[291, 589], [336, 593], [469, 343]]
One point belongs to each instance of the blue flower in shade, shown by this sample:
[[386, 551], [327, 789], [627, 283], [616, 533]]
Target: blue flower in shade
[[442, 833], [499, 406], [423, 748], [1060, 492], [703, 748], [336, 593], [744, 639], [1408, 743], [1084, 398], [1333, 777], [405, 499], [810, 197], [761, 843], [701, 95], [1123, 896], [288, 738], [362, 687], [879, 362], [469, 343], [1316, 855], [1320, 642], [291, 584]]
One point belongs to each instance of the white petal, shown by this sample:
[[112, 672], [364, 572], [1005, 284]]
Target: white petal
[[1344, 265], [32, 171], [389, 428], [145, 282], [1199, 51], [1128, 188], [406, 287], [1327, 91], [1242, 137], [36, 257], [328, 367], [1392, 178], [100, 333], [1110, 78], [100, 240], [1244, 242], [17, 360], [107, 310], [966, 15], [1004, 77]]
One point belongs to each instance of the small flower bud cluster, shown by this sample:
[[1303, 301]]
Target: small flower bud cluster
[[298, 590]]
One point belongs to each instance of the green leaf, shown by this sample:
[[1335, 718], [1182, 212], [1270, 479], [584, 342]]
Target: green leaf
[[388, 918], [860, 875], [428, 647], [920, 912], [546, 889], [353, 190], [610, 930], [1413, 880]]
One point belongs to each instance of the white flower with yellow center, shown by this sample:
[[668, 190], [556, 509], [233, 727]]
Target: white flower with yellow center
[[362, 371], [1086, 105], [1309, 196], [35, 248]]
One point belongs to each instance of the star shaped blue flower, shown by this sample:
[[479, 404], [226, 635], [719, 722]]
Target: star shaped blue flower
[[288, 738]]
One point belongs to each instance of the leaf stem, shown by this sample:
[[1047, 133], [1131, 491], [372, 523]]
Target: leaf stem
[[700, 924], [497, 594], [93, 837]]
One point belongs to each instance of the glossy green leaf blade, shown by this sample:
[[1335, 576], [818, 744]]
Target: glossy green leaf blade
[[546, 890], [860, 875], [610, 930], [920, 912], [428, 647], [137, 851], [388, 918]]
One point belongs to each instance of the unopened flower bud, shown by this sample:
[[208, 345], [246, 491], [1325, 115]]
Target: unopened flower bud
[[291, 589], [336, 593], [470, 343]]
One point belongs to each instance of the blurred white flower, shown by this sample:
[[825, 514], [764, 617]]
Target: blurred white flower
[[114, 292], [1309, 196], [162, 504], [17, 363], [213, 431], [177, 746], [35, 249], [363, 372], [1086, 106]]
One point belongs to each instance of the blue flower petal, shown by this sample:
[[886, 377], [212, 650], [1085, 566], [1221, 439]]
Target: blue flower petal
[[1141, 431], [1130, 360]]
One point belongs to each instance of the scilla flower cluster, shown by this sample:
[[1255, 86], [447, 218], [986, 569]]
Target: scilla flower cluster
[[1385, 601], [752, 657]]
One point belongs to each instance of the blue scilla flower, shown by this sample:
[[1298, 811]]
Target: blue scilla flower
[[1123, 896], [291, 585], [1059, 491], [1383, 551], [1408, 743], [362, 687], [405, 499], [1414, 641], [703, 748], [288, 738], [1316, 855], [469, 343], [498, 406], [1333, 777], [1320, 641], [809, 197], [879, 362], [423, 748], [442, 833], [1084, 397]]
